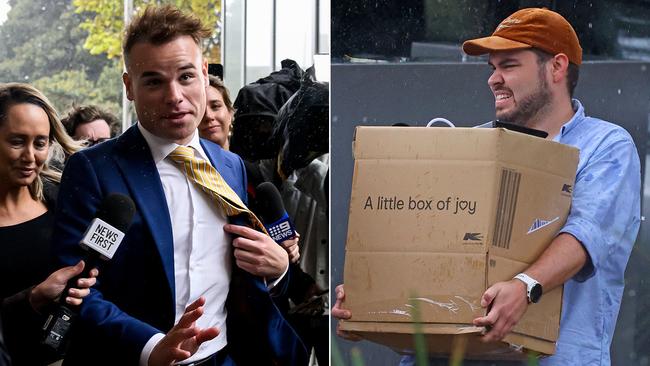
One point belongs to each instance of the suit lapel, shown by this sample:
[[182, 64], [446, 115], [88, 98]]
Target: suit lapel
[[134, 159], [220, 163]]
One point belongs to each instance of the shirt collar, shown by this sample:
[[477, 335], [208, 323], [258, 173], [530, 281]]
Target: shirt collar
[[161, 147], [577, 116]]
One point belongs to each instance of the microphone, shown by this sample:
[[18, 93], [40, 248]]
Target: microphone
[[107, 230], [101, 240], [272, 213]]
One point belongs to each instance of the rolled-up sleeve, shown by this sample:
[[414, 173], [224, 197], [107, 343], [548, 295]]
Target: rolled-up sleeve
[[605, 202]]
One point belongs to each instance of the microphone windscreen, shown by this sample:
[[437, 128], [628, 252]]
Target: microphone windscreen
[[270, 206], [117, 210]]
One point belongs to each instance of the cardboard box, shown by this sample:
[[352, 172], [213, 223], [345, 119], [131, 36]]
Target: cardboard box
[[437, 215]]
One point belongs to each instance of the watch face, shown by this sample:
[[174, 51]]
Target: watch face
[[535, 293]]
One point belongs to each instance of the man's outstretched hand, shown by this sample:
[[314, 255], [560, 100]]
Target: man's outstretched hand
[[184, 339]]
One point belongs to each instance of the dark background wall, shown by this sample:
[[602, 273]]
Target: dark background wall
[[414, 93]]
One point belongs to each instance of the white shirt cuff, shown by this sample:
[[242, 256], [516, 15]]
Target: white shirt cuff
[[276, 281], [148, 347]]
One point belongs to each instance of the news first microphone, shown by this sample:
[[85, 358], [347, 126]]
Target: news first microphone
[[272, 213], [101, 240]]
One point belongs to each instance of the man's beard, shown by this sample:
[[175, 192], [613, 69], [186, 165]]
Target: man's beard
[[530, 106]]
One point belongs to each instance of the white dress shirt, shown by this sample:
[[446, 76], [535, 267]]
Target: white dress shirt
[[202, 250]]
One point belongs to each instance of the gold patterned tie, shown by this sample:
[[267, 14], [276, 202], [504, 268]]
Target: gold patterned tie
[[208, 178]]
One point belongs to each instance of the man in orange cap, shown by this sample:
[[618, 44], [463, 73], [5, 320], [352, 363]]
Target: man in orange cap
[[535, 56], [534, 53]]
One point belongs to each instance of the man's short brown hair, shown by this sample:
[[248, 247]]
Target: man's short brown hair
[[161, 24], [79, 115]]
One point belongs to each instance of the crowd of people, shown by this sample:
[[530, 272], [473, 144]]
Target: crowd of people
[[196, 281]]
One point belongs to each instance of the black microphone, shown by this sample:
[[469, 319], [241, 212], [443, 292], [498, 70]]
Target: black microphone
[[101, 240], [272, 213]]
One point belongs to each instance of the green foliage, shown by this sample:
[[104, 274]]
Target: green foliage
[[70, 49], [104, 28], [42, 44], [38, 40], [25, 20], [337, 359], [357, 359], [104, 21], [420, 345], [70, 87], [109, 86], [533, 358]]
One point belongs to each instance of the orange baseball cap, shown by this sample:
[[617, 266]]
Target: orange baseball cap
[[527, 28]]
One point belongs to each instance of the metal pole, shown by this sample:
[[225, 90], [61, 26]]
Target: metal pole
[[273, 32], [317, 22], [126, 116]]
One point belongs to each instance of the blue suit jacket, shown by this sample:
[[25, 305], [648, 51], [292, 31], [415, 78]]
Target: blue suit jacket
[[134, 295]]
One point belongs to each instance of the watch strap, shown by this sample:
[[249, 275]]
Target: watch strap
[[529, 282]]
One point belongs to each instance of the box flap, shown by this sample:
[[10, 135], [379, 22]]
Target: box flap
[[542, 154], [486, 144], [427, 143]]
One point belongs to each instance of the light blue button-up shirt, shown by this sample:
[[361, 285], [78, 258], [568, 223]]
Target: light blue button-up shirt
[[604, 217]]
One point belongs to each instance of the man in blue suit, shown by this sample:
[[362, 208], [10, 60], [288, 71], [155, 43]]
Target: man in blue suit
[[179, 289]]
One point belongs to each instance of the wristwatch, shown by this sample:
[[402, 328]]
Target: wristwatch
[[533, 288]]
